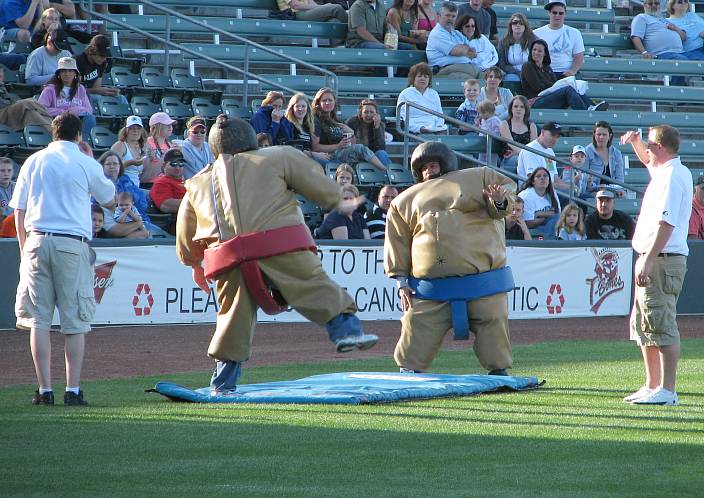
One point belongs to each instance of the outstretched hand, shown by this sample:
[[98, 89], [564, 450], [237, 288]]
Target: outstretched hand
[[495, 193], [348, 206], [200, 280]]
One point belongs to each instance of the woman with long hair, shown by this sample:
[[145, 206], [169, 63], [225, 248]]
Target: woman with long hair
[[403, 17], [420, 91], [270, 118], [603, 158], [300, 115], [537, 75], [519, 128], [427, 17], [132, 148], [335, 137], [541, 205], [513, 48], [486, 53], [369, 129], [691, 23], [64, 93], [161, 127]]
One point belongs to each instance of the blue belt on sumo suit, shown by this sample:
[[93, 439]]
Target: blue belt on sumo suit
[[459, 290]]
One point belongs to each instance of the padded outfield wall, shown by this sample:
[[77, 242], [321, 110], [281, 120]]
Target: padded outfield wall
[[143, 283]]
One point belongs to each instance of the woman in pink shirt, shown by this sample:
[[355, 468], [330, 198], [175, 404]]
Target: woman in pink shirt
[[64, 93]]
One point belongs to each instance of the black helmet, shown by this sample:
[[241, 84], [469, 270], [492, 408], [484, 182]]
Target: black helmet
[[433, 151]]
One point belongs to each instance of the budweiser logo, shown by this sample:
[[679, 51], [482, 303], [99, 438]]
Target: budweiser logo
[[102, 279]]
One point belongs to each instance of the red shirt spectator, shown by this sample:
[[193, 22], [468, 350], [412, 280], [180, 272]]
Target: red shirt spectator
[[696, 221], [168, 189]]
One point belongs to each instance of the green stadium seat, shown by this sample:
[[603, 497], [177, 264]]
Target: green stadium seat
[[9, 139], [143, 107], [122, 77], [399, 176], [311, 213], [112, 108], [369, 176], [233, 108], [205, 108], [36, 137], [102, 137], [175, 108]]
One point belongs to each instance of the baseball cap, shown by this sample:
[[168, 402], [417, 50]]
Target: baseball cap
[[195, 122], [173, 155], [161, 118], [553, 127], [603, 193], [550, 3], [101, 43], [579, 148], [67, 63], [699, 182], [134, 120]]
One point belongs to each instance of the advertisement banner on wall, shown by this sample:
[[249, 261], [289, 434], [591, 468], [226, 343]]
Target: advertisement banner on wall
[[147, 284]]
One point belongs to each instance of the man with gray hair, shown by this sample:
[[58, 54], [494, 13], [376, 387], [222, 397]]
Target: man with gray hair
[[448, 51], [240, 224]]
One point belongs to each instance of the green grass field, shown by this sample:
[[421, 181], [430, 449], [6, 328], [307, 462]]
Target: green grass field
[[572, 437]]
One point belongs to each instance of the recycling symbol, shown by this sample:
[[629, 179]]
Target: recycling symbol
[[143, 290], [555, 300]]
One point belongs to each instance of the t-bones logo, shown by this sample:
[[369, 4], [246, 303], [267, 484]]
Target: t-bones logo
[[606, 280], [102, 279]]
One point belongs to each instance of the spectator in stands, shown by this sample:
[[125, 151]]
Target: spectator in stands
[[52, 18], [168, 189], [403, 17], [369, 129], [270, 118], [449, 51], [300, 115], [537, 75], [134, 152], [692, 25], [126, 212], [514, 47], [18, 16], [42, 62], [528, 161], [493, 29], [494, 93], [18, 113], [196, 151], [335, 137], [97, 218], [541, 205], [365, 24], [64, 93], [608, 223], [516, 228], [474, 9], [420, 91], [467, 111], [7, 187], [376, 218], [486, 53], [344, 175], [308, 10], [427, 17], [574, 177], [519, 128], [264, 140], [696, 220], [115, 171], [571, 223], [564, 43], [161, 126], [92, 64], [345, 222], [490, 123], [11, 60], [655, 38], [603, 158]]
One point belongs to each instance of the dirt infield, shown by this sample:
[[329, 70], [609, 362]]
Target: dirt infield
[[117, 352]]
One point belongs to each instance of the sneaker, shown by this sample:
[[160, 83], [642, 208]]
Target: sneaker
[[659, 397], [640, 393], [498, 371], [601, 106], [73, 399], [350, 342], [408, 371], [43, 399]]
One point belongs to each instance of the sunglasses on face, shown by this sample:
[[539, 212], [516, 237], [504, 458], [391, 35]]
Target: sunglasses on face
[[517, 23], [198, 132], [682, 1], [176, 164]]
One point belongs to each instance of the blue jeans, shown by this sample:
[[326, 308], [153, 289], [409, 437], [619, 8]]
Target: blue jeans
[[225, 376], [368, 44], [548, 228], [695, 55], [88, 121], [671, 56], [383, 157], [343, 325], [563, 98], [12, 61]]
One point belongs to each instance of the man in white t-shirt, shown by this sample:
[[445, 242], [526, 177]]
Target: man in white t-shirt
[[527, 161], [661, 240], [565, 43]]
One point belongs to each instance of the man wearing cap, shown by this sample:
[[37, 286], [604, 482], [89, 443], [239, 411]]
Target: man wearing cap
[[168, 190], [528, 161], [242, 219], [696, 222], [445, 247], [448, 50], [608, 223], [661, 240], [43, 61], [196, 151], [91, 65], [52, 202], [565, 43], [18, 16]]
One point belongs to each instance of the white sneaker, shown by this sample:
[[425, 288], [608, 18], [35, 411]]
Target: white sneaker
[[640, 393], [659, 397], [601, 106]]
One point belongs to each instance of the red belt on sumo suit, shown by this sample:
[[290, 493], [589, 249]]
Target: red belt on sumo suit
[[245, 250]]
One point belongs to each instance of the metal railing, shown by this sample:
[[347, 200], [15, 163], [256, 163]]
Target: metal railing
[[490, 137], [330, 77]]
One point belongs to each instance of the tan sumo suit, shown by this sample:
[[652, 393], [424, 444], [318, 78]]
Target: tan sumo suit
[[446, 227], [256, 191]]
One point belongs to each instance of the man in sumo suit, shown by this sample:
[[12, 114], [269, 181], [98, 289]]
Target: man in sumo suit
[[240, 217], [445, 247]]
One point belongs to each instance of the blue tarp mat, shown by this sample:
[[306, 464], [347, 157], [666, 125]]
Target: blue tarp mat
[[354, 388]]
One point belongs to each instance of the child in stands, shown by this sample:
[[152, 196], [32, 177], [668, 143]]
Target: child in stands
[[571, 223]]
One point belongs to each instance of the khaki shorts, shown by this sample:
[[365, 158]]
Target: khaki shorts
[[55, 272], [654, 315]]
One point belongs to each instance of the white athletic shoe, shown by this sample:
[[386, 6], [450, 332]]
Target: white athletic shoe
[[659, 397], [640, 393], [601, 106]]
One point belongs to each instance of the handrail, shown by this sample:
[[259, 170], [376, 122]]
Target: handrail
[[331, 77], [401, 127]]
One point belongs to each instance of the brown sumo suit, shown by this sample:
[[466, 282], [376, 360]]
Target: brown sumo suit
[[256, 191], [446, 227]]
